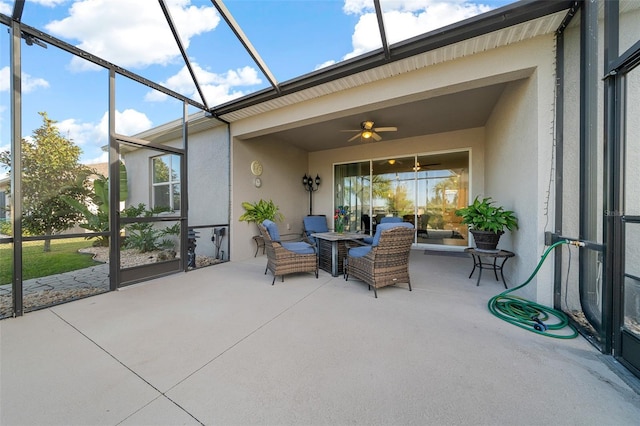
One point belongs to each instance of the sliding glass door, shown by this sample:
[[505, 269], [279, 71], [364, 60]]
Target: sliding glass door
[[443, 187], [423, 189], [353, 189]]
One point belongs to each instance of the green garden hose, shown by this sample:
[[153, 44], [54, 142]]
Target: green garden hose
[[532, 316]]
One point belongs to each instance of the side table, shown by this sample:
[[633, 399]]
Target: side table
[[478, 255], [259, 240]]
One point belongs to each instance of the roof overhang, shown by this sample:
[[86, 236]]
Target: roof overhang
[[509, 24]]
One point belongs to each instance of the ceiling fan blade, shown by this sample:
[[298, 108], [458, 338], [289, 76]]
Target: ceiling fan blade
[[376, 136], [385, 129], [351, 130], [354, 138]]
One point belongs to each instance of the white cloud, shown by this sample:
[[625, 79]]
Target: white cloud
[[404, 19], [217, 88], [325, 64], [91, 137], [133, 34], [29, 84], [103, 157], [357, 7], [366, 36], [5, 8], [82, 134], [128, 122], [48, 3]]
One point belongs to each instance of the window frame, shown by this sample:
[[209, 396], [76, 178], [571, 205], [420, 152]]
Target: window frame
[[172, 181]]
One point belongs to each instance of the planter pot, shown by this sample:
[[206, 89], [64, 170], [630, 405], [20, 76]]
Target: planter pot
[[486, 240]]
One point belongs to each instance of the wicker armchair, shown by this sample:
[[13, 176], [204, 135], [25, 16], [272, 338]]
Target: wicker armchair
[[286, 257], [384, 262], [313, 224]]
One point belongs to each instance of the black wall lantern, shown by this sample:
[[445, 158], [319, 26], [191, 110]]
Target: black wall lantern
[[310, 185]]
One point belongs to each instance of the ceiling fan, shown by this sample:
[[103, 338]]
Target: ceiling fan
[[367, 131]]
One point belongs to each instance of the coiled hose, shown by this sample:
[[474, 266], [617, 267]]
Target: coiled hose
[[532, 316]]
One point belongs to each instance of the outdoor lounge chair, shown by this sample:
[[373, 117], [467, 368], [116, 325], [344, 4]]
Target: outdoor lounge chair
[[287, 257], [313, 224], [384, 262]]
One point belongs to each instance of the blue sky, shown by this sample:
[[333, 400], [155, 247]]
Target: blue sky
[[293, 37]]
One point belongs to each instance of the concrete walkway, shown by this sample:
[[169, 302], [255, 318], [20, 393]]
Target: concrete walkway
[[93, 277], [220, 345]]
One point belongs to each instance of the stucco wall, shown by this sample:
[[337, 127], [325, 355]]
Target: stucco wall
[[208, 180], [512, 177], [570, 225], [283, 168], [209, 186], [519, 164]]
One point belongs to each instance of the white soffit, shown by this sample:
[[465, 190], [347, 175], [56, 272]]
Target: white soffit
[[506, 36]]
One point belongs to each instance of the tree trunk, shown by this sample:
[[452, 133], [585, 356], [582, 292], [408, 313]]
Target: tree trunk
[[47, 243]]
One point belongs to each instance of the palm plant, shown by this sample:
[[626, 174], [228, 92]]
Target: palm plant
[[259, 211]]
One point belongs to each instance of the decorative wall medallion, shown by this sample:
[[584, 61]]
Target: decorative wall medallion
[[256, 168]]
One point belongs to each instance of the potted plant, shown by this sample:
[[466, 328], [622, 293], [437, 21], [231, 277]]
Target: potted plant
[[259, 211], [487, 222]]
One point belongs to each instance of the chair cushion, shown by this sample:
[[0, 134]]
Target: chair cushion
[[313, 224], [272, 229], [359, 251], [385, 226], [367, 240], [299, 247]]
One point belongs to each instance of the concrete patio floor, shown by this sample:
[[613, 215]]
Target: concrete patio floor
[[220, 345]]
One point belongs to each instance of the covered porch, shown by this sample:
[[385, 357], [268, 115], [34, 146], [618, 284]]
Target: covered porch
[[220, 345]]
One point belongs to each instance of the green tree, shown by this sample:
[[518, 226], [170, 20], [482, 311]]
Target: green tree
[[96, 213], [50, 171], [399, 202], [381, 186]]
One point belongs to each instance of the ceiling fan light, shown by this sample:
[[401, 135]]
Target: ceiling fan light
[[367, 125], [392, 162], [367, 134]]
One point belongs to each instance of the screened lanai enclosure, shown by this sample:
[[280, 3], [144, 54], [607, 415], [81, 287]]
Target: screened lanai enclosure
[[131, 142], [84, 186]]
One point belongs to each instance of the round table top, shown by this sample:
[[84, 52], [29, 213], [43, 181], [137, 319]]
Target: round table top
[[489, 253]]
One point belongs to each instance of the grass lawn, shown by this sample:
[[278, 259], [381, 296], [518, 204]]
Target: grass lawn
[[63, 257]]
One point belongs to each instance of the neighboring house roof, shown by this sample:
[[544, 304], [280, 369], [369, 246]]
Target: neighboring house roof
[[100, 168]]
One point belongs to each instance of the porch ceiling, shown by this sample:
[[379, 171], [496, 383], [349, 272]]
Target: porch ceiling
[[456, 111]]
